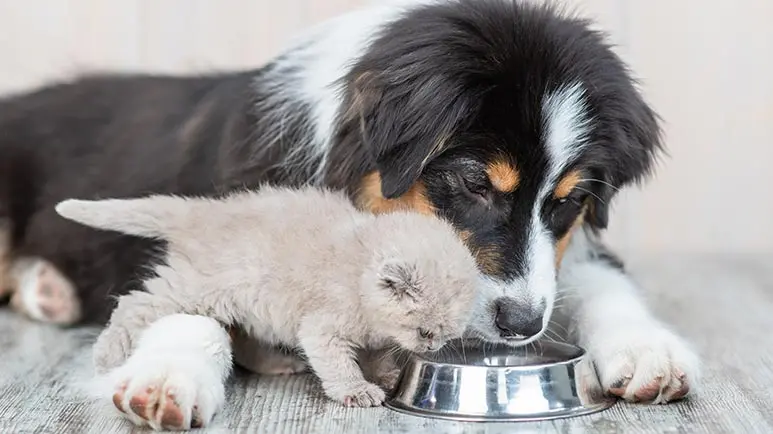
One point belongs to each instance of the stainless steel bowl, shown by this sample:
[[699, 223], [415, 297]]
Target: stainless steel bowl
[[537, 382]]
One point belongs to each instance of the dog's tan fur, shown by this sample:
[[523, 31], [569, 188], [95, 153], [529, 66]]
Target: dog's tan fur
[[299, 268]]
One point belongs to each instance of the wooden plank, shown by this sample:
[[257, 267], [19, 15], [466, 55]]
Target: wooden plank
[[721, 303]]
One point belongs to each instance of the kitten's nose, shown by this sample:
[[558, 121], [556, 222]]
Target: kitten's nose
[[515, 320], [435, 345]]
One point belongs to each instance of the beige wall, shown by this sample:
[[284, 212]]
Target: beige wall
[[706, 65]]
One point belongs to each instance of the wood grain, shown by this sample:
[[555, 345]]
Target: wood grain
[[722, 304]]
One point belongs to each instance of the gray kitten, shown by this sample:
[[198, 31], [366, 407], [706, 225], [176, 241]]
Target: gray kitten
[[301, 268]]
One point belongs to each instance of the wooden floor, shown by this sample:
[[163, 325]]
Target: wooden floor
[[725, 305]]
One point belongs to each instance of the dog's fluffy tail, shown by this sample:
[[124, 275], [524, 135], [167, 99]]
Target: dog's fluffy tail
[[150, 217]]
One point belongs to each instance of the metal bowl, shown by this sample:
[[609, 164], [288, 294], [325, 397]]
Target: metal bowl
[[542, 381]]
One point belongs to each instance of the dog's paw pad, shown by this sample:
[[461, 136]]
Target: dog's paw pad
[[45, 294], [652, 367], [157, 404], [167, 391]]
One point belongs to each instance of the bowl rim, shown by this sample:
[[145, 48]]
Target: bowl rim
[[581, 354]]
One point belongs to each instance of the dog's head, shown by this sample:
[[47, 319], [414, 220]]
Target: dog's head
[[512, 121]]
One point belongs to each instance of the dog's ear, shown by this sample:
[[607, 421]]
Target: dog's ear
[[598, 209], [404, 124], [399, 278]]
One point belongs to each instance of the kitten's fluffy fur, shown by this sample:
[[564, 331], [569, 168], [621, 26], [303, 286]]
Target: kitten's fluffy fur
[[300, 268]]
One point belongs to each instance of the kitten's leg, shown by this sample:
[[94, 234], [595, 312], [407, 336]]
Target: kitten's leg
[[40, 291], [380, 367], [133, 314], [264, 359], [333, 361], [175, 378], [637, 356]]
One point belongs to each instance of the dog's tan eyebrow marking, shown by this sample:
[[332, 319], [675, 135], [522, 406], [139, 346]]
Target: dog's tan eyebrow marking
[[465, 235], [567, 184], [503, 175], [369, 197], [489, 259]]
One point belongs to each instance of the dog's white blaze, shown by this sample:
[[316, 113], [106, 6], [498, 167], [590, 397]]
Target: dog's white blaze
[[567, 125], [541, 272]]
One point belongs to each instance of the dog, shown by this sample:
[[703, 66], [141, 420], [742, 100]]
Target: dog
[[514, 121]]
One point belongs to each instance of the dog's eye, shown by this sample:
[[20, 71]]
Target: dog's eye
[[564, 211], [574, 201], [426, 334], [475, 188]]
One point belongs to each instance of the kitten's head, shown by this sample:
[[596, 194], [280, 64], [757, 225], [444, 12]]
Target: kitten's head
[[420, 287]]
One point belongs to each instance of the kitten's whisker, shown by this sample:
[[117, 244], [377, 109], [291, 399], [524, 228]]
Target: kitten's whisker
[[553, 323]]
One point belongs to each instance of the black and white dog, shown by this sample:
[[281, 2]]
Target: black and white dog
[[512, 120]]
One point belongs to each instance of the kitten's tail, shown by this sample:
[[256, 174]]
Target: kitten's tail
[[149, 217]]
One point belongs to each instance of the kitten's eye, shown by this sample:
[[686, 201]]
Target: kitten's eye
[[388, 283], [426, 334]]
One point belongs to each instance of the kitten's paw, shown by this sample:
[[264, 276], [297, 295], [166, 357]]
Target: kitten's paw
[[361, 394], [167, 390], [645, 363], [43, 293], [388, 380]]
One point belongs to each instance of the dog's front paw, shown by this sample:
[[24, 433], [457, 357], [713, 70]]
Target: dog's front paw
[[646, 363], [359, 394], [167, 390]]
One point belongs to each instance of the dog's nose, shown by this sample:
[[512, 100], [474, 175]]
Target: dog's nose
[[515, 320]]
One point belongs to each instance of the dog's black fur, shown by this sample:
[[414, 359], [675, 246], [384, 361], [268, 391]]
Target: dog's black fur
[[440, 94]]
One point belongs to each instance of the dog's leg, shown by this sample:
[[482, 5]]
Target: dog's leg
[[40, 291], [175, 377], [333, 360], [638, 358]]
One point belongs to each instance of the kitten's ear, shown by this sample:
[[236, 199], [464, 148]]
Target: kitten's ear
[[399, 278]]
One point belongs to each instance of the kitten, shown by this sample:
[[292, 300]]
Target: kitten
[[300, 268]]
